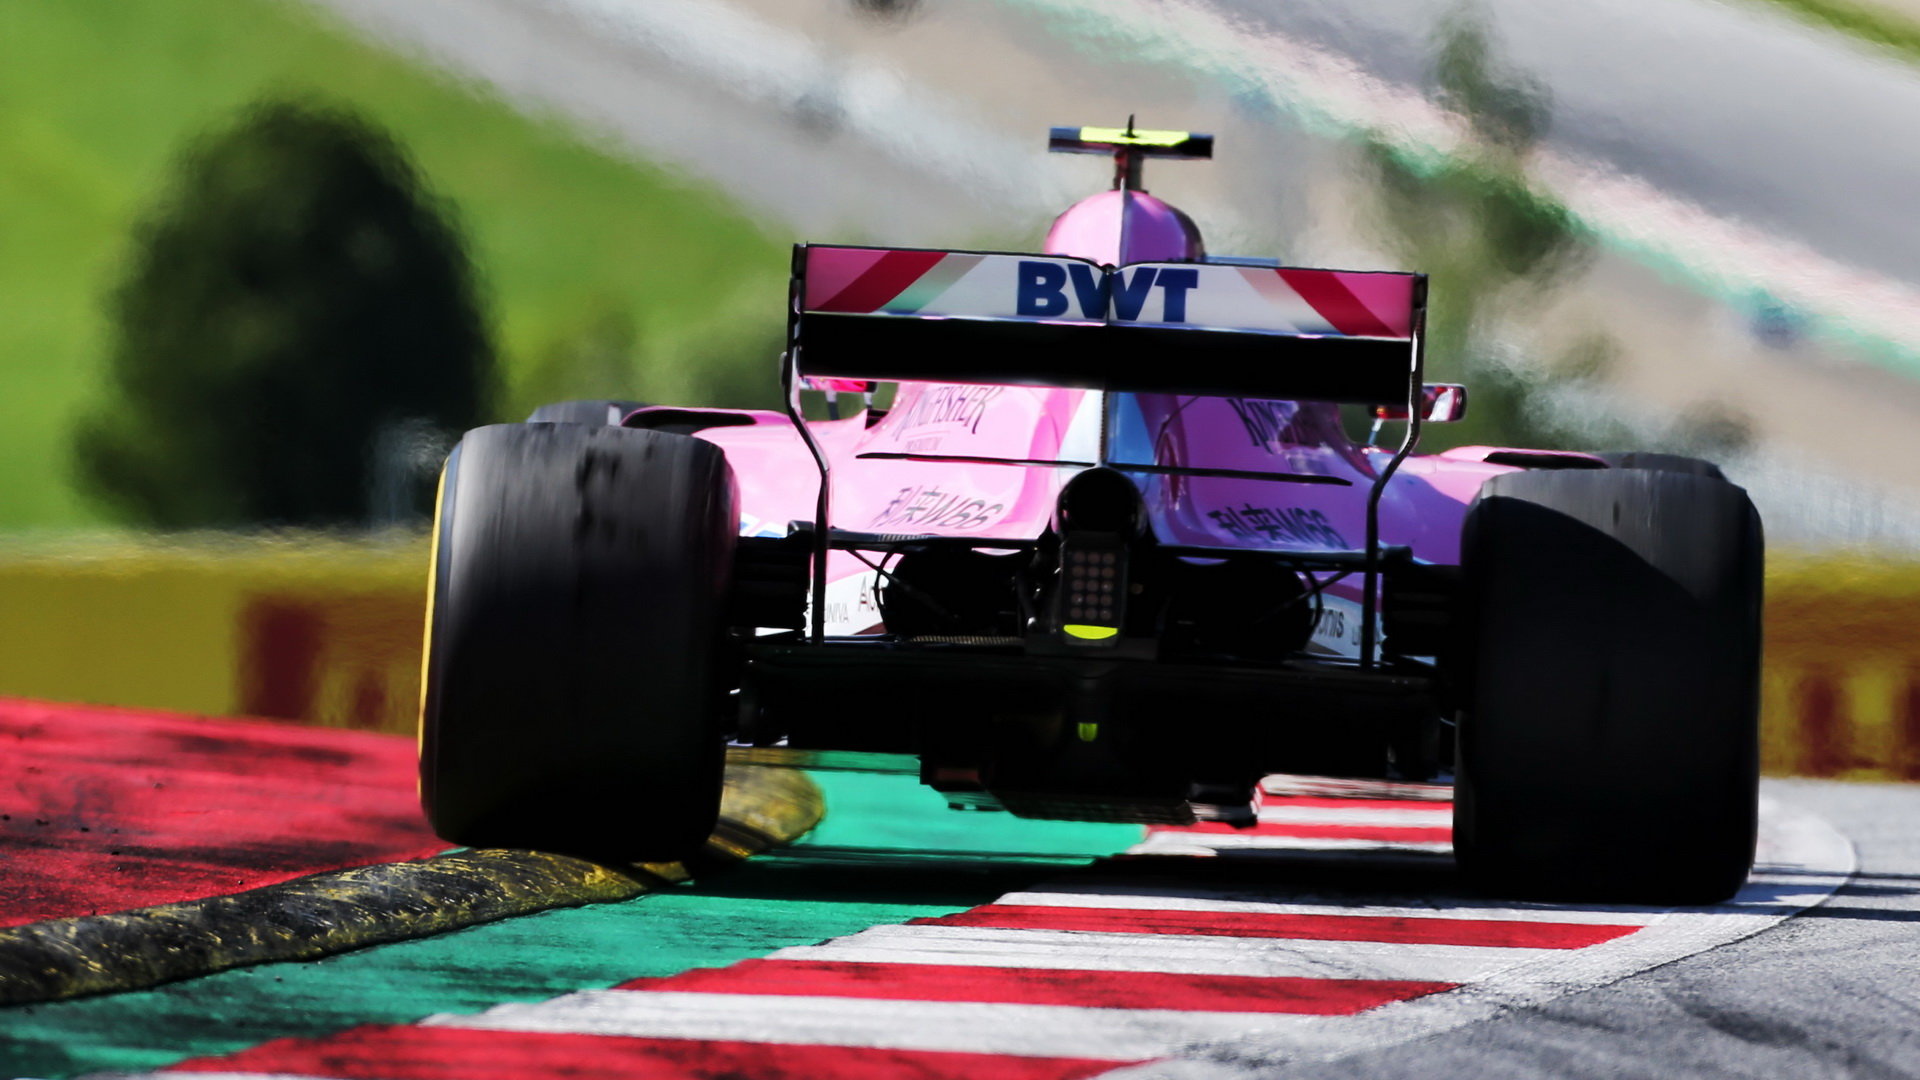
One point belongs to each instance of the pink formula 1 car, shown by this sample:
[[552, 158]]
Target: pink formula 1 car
[[1109, 554]]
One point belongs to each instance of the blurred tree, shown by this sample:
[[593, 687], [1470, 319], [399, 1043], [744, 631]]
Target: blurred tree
[[295, 309], [597, 357], [1482, 234]]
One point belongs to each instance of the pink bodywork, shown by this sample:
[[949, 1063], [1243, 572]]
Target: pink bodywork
[[1422, 507], [1120, 227]]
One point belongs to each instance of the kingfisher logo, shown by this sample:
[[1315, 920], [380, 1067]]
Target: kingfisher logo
[[1052, 290]]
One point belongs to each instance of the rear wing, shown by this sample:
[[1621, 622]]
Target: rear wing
[[1045, 320]]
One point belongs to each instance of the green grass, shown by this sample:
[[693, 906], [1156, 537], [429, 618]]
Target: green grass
[[1867, 21], [587, 258]]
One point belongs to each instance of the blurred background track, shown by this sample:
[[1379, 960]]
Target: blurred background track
[[1753, 253], [1740, 284]]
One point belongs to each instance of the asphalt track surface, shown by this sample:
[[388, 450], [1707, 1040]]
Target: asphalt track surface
[[1832, 992], [905, 940]]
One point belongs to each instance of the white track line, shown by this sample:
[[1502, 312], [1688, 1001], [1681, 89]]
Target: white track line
[[1323, 787], [971, 1027], [1224, 901], [1174, 842], [1439, 816], [1174, 953], [218, 1076]]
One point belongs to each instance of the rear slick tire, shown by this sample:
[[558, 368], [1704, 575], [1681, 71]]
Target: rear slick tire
[[574, 684], [1609, 741]]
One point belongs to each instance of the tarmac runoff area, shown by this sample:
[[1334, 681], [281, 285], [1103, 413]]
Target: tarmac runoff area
[[1330, 930]]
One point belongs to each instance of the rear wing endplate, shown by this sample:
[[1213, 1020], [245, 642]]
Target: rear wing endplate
[[1043, 320]]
